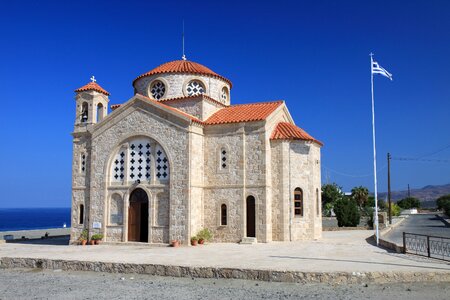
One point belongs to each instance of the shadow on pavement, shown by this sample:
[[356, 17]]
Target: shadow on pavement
[[54, 241]]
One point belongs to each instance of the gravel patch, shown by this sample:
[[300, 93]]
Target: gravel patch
[[58, 284]]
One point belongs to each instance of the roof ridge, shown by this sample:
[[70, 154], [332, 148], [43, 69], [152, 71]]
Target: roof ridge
[[258, 103]]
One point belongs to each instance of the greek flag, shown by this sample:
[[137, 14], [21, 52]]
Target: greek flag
[[377, 69]]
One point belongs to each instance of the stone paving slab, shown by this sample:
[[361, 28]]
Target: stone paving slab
[[337, 253]]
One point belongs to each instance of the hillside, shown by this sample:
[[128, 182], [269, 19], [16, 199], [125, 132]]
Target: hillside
[[427, 193]]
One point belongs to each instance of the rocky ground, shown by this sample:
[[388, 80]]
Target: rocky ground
[[57, 284]]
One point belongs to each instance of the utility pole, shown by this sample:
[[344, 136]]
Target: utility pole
[[409, 192], [389, 186]]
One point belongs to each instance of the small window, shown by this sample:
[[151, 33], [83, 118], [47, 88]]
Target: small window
[[157, 90], [81, 215], [83, 162], [223, 159], [224, 94], [298, 202], [317, 202], [223, 215], [195, 88], [99, 112], [84, 112]]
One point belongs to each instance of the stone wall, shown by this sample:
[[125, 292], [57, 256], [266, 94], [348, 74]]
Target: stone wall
[[139, 119], [175, 85]]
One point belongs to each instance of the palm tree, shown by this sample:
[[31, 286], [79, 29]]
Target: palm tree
[[361, 195]]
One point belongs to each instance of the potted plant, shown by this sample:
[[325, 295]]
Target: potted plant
[[204, 235], [96, 238], [83, 237], [175, 243], [194, 241]]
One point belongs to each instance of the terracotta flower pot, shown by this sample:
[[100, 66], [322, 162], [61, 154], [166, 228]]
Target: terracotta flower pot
[[201, 241], [194, 242], [83, 242], [175, 243], [92, 242], [98, 242]]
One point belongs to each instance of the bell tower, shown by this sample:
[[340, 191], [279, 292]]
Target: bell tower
[[92, 105]]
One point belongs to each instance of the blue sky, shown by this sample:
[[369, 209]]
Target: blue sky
[[312, 54]]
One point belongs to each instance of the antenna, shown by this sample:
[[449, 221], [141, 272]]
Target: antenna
[[184, 56]]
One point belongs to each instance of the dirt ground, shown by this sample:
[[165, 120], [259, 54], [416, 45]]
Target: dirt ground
[[57, 284]]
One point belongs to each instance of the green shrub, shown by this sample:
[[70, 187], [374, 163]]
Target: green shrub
[[97, 236], [446, 208], [347, 212], [205, 234], [395, 210], [409, 202], [441, 201], [84, 235]]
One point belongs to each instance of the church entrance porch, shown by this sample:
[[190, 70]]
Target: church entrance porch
[[138, 216]]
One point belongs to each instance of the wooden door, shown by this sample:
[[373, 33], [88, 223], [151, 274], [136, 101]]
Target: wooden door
[[251, 220], [134, 221]]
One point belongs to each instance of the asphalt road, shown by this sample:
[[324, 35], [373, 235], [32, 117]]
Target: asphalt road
[[428, 224]]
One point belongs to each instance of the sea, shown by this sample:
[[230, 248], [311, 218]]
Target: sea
[[12, 219]]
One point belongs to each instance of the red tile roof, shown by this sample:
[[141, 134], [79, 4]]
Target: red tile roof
[[92, 86], [243, 113], [288, 131], [229, 114], [193, 97], [183, 66]]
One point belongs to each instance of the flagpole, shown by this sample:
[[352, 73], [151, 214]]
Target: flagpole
[[374, 153]]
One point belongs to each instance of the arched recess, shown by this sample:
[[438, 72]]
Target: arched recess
[[116, 209], [100, 110]]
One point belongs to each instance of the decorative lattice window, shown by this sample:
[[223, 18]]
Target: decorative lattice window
[[83, 163], [298, 202], [162, 164], [195, 88], [223, 159], [139, 160], [223, 215], [224, 94], [118, 167], [158, 90]]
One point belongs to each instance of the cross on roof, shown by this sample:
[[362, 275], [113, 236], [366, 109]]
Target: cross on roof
[[93, 78]]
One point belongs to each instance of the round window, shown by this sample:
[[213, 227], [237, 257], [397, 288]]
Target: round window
[[224, 94], [195, 88], [157, 89]]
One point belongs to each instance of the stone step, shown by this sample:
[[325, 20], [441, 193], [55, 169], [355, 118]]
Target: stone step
[[249, 241]]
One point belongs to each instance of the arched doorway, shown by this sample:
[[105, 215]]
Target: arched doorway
[[251, 220], [138, 216]]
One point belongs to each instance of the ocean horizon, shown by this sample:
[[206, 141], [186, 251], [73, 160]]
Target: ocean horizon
[[12, 219]]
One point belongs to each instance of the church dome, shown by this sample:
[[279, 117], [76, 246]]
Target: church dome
[[184, 67]]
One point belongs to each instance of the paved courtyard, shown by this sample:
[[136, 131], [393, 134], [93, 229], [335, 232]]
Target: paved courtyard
[[341, 251]]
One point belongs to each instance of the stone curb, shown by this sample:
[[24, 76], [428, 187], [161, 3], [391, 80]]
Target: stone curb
[[228, 273]]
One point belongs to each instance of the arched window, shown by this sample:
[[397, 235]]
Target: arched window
[[298, 202], [84, 112], [81, 215], [223, 159], [223, 215], [224, 95], [141, 160], [99, 112], [317, 202]]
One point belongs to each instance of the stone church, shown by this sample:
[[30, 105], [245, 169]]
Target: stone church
[[178, 157]]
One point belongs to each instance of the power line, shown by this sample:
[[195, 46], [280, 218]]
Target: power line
[[354, 175], [421, 159]]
